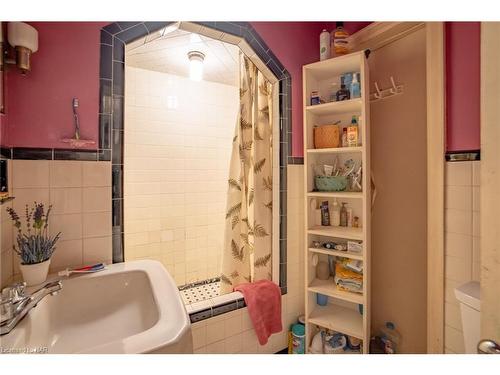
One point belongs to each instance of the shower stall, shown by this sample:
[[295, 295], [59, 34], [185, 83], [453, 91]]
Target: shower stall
[[180, 116]]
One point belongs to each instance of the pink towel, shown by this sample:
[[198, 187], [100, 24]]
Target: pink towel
[[263, 299]]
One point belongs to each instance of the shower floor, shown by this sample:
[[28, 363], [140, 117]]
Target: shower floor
[[200, 291]]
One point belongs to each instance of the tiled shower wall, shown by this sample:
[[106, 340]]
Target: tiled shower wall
[[80, 193], [178, 137], [232, 332], [462, 242]]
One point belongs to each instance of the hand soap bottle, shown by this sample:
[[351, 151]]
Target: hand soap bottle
[[335, 213]]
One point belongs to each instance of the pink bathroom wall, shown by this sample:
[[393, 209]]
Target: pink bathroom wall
[[67, 65], [39, 112], [296, 44], [463, 72]]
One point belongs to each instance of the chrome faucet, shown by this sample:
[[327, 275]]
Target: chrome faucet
[[15, 304]]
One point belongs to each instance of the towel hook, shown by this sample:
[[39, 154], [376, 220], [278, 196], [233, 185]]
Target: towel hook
[[378, 94], [394, 89]]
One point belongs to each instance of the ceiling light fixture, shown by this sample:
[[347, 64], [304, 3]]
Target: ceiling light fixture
[[196, 65]]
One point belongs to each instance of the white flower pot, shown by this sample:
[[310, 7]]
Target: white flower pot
[[34, 274]]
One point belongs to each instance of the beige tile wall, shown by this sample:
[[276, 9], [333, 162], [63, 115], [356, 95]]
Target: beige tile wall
[[178, 137], [233, 332], [80, 193], [462, 242]]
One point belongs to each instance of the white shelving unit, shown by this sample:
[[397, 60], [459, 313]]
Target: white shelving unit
[[342, 314]]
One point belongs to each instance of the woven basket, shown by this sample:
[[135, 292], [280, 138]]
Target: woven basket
[[326, 136]]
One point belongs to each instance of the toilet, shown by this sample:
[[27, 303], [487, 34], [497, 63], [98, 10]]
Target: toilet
[[470, 307]]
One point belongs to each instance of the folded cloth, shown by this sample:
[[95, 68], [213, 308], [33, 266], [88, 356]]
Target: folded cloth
[[348, 280], [263, 299]]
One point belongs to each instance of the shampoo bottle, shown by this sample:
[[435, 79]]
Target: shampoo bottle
[[343, 215], [340, 41], [335, 213], [355, 86]]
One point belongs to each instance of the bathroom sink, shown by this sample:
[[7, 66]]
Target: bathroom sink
[[131, 307]]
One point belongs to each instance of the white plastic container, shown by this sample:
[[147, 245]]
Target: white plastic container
[[34, 274], [324, 45]]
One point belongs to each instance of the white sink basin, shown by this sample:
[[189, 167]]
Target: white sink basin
[[132, 307]]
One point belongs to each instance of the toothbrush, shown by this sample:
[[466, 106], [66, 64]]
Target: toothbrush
[[87, 269]]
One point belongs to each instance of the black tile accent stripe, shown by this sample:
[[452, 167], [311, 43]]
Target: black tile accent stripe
[[453, 156], [24, 153]]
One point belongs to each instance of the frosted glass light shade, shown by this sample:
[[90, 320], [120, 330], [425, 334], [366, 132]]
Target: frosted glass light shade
[[21, 34], [196, 65]]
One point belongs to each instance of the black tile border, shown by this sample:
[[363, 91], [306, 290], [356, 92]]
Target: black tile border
[[454, 156], [33, 153]]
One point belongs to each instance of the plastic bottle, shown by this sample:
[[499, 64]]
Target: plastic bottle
[[340, 41], [324, 45], [355, 88], [335, 213], [343, 215], [390, 337], [353, 133]]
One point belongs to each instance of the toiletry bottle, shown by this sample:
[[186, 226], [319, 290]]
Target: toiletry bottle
[[343, 93], [335, 213], [355, 88], [349, 216], [325, 214], [352, 133], [324, 45], [344, 137], [340, 40], [343, 215]]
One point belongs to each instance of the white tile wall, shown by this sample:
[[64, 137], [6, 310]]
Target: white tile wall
[[462, 242], [178, 138], [80, 193], [233, 332]]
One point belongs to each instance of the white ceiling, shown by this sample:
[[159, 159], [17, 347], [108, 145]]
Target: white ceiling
[[168, 54]]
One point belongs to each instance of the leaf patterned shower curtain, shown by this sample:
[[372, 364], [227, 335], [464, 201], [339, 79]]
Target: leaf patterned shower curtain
[[248, 228]]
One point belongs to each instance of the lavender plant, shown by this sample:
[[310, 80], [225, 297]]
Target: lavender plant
[[35, 245]]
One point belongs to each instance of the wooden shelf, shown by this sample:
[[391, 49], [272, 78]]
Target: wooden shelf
[[335, 194], [332, 108], [338, 318], [336, 150], [328, 288], [348, 233], [337, 253]]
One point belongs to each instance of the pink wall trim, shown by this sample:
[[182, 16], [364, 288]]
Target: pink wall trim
[[463, 85], [66, 65]]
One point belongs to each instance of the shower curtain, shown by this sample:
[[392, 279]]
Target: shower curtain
[[248, 227]]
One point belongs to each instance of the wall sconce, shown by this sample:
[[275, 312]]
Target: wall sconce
[[24, 39]]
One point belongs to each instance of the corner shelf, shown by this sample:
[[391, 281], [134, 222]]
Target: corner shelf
[[341, 314], [337, 253], [336, 150], [338, 318], [344, 106], [336, 194], [347, 233], [328, 288]]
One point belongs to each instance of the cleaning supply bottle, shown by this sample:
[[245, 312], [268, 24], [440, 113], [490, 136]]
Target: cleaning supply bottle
[[353, 133], [335, 213], [340, 41], [343, 215], [355, 88], [390, 337], [324, 45]]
